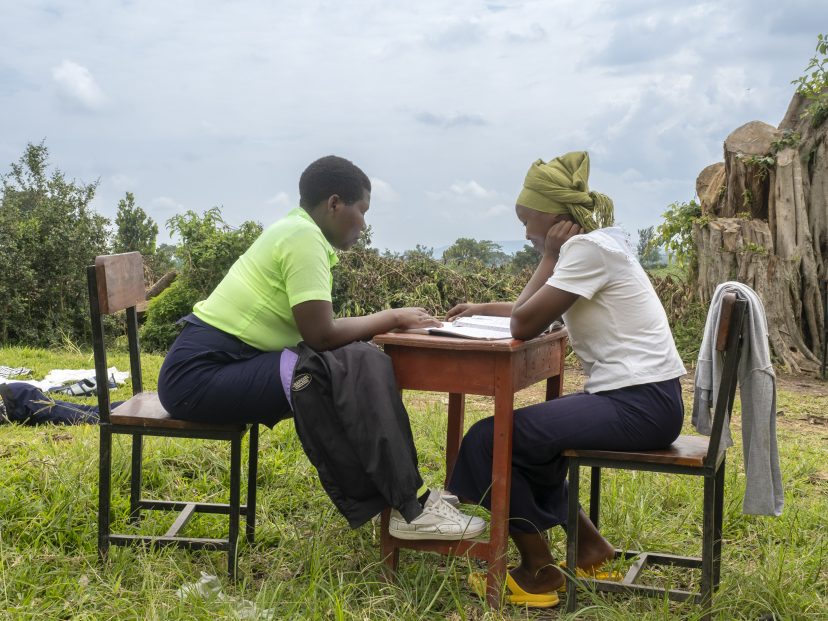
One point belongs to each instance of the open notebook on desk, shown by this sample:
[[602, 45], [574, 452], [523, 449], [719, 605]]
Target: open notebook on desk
[[475, 327]]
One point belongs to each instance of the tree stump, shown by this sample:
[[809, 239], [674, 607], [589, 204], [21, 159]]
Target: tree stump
[[765, 223]]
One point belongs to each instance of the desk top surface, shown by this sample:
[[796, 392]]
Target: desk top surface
[[433, 341]]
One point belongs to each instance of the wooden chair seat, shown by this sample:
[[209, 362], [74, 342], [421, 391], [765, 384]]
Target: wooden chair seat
[[685, 451], [145, 410]]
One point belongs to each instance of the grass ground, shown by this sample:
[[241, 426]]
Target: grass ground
[[306, 562]]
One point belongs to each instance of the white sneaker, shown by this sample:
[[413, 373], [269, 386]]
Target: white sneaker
[[449, 497], [439, 520], [444, 494]]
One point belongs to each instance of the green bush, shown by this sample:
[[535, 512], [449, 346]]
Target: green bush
[[208, 249], [367, 282], [48, 235], [160, 329]]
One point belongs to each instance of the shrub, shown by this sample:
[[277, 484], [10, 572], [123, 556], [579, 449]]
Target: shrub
[[159, 329], [48, 235]]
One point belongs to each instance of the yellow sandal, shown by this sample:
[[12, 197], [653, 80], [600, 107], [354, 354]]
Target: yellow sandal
[[596, 573], [515, 595]]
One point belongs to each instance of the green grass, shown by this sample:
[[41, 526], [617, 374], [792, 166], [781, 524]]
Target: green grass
[[306, 562]]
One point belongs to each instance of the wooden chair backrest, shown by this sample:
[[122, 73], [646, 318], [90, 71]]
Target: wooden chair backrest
[[729, 340], [116, 283]]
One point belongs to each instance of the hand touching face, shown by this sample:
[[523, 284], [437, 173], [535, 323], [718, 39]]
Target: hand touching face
[[558, 234]]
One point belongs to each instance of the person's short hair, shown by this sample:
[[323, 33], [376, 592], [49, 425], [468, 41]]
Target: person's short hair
[[331, 175]]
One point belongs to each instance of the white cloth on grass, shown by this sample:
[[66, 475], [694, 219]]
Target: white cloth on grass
[[9, 372], [59, 377]]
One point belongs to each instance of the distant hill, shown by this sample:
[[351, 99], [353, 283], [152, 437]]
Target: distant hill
[[509, 247]]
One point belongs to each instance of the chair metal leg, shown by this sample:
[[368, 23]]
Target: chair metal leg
[[595, 495], [252, 469], [572, 536], [717, 520], [135, 478], [708, 547], [235, 501], [104, 489]]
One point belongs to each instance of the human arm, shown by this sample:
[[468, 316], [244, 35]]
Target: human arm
[[322, 331], [539, 305], [497, 309]]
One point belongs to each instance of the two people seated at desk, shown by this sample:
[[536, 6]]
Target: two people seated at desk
[[234, 359]]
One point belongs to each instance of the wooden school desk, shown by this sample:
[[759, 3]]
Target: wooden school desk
[[476, 367]]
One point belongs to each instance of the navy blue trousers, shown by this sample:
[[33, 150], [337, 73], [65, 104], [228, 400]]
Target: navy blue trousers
[[210, 376], [28, 405], [648, 416]]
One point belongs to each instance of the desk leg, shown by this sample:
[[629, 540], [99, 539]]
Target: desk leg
[[454, 435], [389, 552], [501, 481], [554, 384]]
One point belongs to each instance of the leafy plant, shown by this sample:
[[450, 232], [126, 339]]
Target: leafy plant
[[813, 84], [648, 253], [466, 251], [209, 246], [208, 249], [675, 233], [48, 235], [135, 230], [160, 328], [789, 138]]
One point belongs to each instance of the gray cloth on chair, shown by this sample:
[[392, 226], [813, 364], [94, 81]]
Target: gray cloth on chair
[[757, 391]]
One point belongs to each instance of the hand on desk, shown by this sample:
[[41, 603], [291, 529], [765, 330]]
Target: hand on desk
[[414, 317], [467, 309]]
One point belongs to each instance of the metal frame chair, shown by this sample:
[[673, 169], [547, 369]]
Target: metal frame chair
[[116, 283], [690, 455]]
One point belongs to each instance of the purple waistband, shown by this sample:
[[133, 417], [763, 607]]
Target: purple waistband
[[287, 362]]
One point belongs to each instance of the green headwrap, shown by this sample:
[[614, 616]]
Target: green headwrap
[[560, 186]]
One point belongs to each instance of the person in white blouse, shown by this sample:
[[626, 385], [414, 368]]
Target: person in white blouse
[[590, 278]]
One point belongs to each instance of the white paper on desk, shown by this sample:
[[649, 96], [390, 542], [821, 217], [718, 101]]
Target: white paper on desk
[[487, 327], [474, 327]]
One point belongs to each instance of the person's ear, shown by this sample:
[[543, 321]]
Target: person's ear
[[333, 201]]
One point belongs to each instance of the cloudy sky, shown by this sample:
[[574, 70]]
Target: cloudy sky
[[191, 104]]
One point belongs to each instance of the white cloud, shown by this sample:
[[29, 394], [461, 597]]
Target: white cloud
[[165, 204], [225, 103], [382, 192], [282, 199], [463, 191], [77, 85], [497, 210], [122, 181]]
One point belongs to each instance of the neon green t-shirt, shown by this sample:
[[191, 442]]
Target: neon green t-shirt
[[288, 264]]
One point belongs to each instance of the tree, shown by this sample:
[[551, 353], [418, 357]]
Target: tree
[[135, 230], [164, 259], [527, 258], [648, 254], [764, 220], [208, 249], [468, 251], [48, 235], [419, 252]]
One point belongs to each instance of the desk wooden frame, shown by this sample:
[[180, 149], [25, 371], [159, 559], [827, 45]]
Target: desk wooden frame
[[459, 367]]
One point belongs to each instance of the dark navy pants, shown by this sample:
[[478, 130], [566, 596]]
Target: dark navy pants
[[28, 405], [213, 377], [648, 416]]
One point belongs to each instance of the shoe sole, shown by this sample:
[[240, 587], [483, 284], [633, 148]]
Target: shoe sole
[[415, 536]]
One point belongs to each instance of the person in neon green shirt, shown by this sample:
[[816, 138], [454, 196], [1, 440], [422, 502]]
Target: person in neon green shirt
[[229, 364]]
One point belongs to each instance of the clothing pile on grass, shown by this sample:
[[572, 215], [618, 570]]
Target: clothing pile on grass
[[33, 402]]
